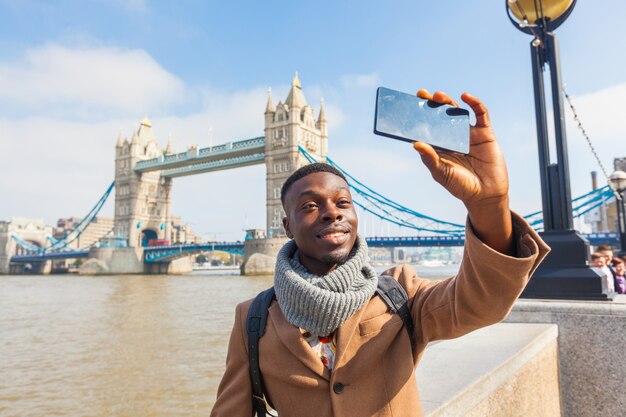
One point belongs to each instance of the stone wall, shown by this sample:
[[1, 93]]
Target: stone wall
[[592, 351], [505, 370], [176, 266], [105, 261], [260, 255]]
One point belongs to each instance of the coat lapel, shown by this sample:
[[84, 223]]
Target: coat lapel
[[291, 337], [345, 334]]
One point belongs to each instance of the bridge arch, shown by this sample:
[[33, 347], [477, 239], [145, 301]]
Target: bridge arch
[[19, 250], [147, 235]]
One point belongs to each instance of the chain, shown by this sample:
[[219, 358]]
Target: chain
[[593, 149]]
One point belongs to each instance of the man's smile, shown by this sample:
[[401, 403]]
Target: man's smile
[[334, 236]]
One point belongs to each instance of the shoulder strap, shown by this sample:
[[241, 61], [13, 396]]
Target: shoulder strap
[[394, 295], [255, 326]]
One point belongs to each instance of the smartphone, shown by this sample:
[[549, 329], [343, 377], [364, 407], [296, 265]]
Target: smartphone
[[409, 118]]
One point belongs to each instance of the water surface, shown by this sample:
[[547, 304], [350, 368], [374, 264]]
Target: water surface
[[137, 345]]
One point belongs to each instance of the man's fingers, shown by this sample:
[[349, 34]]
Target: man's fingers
[[479, 109], [443, 98], [429, 156], [438, 97], [424, 94]]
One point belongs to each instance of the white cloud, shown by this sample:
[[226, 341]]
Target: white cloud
[[602, 116], [96, 81], [602, 113]]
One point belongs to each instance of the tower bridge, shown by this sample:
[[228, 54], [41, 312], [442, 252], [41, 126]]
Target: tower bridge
[[144, 172]]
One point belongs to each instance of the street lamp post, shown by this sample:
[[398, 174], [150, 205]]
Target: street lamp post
[[618, 183], [565, 273]]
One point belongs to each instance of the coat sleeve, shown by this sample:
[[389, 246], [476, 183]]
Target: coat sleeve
[[483, 291], [234, 394]]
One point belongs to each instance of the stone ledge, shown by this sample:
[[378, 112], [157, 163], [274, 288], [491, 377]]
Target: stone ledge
[[591, 351], [617, 307], [456, 376]]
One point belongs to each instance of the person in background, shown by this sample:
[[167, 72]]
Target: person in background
[[608, 256], [598, 260], [620, 279]]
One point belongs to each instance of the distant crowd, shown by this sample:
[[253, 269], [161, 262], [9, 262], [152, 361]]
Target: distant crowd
[[612, 266]]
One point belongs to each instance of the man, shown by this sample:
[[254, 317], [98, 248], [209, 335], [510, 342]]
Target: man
[[600, 260], [608, 258], [330, 347]]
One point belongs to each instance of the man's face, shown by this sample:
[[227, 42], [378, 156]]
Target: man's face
[[599, 262], [320, 217], [608, 256]]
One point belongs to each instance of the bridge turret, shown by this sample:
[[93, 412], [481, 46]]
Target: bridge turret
[[142, 200], [290, 125]]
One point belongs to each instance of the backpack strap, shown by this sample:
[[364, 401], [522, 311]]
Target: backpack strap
[[255, 326], [394, 295]]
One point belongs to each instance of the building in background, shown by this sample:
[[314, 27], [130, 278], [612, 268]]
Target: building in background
[[182, 233], [100, 227], [33, 231], [603, 218]]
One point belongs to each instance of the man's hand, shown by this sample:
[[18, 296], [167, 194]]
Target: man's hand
[[479, 179]]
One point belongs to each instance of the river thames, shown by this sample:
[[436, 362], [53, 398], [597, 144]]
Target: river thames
[[137, 345]]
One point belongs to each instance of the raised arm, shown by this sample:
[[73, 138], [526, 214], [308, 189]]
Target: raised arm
[[479, 179]]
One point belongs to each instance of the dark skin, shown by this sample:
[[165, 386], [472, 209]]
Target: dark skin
[[322, 220], [320, 216]]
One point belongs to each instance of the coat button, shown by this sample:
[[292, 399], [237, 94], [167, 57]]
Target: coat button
[[338, 387]]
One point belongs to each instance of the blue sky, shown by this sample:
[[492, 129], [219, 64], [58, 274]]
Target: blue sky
[[75, 74]]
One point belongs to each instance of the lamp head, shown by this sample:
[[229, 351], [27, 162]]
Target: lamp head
[[545, 14], [618, 180]]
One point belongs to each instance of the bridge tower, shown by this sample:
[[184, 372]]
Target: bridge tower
[[287, 126], [142, 200]]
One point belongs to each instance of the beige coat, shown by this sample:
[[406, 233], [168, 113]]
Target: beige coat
[[374, 372]]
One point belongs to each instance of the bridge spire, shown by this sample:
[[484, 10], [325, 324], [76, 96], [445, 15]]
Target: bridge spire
[[270, 105], [296, 81], [296, 96], [322, 116]]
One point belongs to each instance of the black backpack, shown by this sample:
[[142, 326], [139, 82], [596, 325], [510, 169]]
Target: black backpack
[[388, 289]]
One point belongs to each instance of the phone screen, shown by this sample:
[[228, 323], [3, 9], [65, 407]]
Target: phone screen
[[409, 118]]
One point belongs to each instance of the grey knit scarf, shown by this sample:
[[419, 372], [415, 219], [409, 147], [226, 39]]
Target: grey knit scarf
[[321, 303]]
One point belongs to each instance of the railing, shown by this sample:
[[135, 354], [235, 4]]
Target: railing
[[594, 239], [412, 241], [167, 253], [40, 257]]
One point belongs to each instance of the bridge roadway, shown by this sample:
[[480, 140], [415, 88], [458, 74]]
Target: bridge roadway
[[195, 161], [160, 254]]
